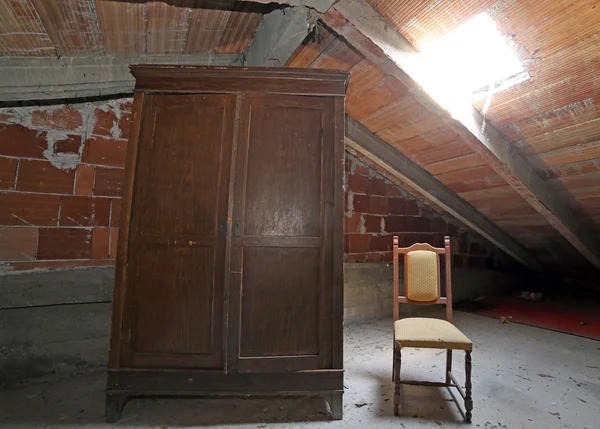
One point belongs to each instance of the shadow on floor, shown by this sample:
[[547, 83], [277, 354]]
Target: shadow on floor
[[80, 400], [424, 402]]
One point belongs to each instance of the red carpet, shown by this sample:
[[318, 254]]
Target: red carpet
[[569, 318]]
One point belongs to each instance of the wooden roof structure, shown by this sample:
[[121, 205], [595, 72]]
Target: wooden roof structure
[[530, 182]]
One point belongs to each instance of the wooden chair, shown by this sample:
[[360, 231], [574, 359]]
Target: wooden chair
[[422, 286]]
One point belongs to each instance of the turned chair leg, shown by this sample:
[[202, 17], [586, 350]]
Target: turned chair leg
[[397, 365], [448, 366], [468, 398]]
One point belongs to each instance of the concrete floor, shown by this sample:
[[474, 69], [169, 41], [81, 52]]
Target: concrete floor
[[523, 377]]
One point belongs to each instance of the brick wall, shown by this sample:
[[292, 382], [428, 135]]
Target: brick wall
[[61, 174], [376, 209]]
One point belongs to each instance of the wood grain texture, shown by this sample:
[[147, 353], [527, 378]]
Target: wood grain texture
[[123, 26], [22, 32], [168, 25], [241, 27], [176, 306], [208, 23], [72, 26], [195, 293]]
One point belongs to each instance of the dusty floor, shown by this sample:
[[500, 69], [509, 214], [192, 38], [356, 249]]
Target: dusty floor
[[523, 377]]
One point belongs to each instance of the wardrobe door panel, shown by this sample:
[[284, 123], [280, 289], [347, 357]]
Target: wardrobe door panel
[[284, 173], [175, 287]]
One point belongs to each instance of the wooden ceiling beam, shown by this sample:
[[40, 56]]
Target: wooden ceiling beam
[[359, 138], [374, 37], [74, 77]]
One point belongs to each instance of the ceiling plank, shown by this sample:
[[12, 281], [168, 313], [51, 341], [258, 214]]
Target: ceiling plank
[[22, 32], [123, 26], [240, 28], [208, 21], [71, 25], [168, 25], [359, 138], [368, 32]]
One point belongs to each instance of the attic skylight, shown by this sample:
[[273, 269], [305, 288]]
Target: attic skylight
[[469, 63]]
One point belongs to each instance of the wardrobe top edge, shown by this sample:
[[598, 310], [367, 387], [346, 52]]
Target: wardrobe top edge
[[142, 70]]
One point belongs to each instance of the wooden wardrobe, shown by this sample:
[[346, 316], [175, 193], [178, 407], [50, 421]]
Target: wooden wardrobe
[[229, 275]]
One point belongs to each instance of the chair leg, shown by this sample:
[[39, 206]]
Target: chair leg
[[394, 365], [468, 398], [397, 366], [448, 365]]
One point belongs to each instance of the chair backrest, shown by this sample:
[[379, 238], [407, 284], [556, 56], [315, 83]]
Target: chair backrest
[[422, 284]]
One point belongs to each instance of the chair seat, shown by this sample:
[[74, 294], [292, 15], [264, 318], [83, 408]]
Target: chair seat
[[429, 333]]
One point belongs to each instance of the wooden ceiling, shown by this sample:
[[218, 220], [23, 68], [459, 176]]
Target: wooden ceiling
[[126, 27], [386, 107]]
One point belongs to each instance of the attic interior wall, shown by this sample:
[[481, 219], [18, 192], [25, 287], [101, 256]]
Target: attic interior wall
[[61, 186]]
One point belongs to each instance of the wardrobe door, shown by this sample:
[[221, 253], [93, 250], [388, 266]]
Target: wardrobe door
[[177, 242], [281, 272]]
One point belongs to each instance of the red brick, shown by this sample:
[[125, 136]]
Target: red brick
[[103, 151], [8, 171], [361, 169], [477, 262], [411, 208], [422, 224], [100, 243], [415, 237], [376, 186], [16, 140], [452, 230], [427, 212], [381, 243], [109, 181], [439, 240], [357, 184], [41, 176], [374, 257], [28, 209], [84, 211], [438, 225], [64, 117], [347, 165], [104, 122], [396, 206], [388, 256], [69, 145], [475, 249], [392, 190], [359, 243], [398, 223], [346, 243], [84, 180], [378, 205], [352, 224], [5, 117], [373, 223], [362, 203], [356, 257], [114, 242], [125, 121], [64, 243], [18, 244], [115, 212]]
